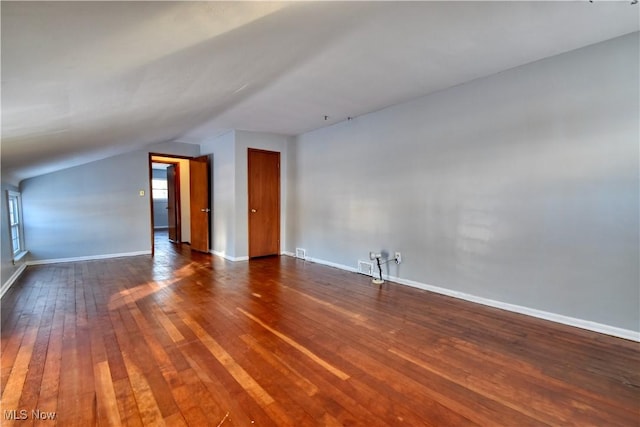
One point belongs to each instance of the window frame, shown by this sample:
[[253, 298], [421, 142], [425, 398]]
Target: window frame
[[157, 190], [15, 221]]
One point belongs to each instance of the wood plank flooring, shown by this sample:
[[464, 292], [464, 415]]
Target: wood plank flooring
[[187, 339]]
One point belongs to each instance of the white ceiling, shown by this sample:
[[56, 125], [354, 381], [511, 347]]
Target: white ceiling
[[85, 80]]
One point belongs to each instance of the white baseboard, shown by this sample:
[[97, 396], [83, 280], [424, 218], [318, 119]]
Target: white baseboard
[[541, 314], [229, 258], [5, 286], [558, 318], [554, 317], [242, 258], [11, 280], [87, 258], [332, 264]]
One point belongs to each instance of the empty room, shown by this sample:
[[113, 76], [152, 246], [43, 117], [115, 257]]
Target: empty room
[[320, 213]]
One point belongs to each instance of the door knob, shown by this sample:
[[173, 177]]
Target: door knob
[[253, 211], [205, 210]]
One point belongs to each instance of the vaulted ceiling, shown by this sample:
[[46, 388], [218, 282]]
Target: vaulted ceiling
[[85, 80]]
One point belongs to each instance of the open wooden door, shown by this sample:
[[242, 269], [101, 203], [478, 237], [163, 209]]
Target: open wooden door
[[173, 206], [264, 202], [200, 203]]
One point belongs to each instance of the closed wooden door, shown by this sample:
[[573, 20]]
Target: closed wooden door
[[173, 207], [264, 202], [200, 203]]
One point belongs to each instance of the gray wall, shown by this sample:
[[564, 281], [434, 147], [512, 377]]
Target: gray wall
[[7, 268], [521, 187], [223, 189], [93, 209]]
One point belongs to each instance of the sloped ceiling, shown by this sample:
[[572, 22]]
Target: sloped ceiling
[[85, 80]]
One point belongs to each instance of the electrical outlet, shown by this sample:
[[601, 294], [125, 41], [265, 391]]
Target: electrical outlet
[[398, 257]]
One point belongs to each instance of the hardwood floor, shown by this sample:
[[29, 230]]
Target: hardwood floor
[[190, 339]]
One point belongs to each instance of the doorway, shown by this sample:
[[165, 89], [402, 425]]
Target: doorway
[[264, 202], [172, 211], [165, 193]]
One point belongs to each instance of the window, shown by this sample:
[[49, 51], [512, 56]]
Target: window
[[159, 189], [14, 204]]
